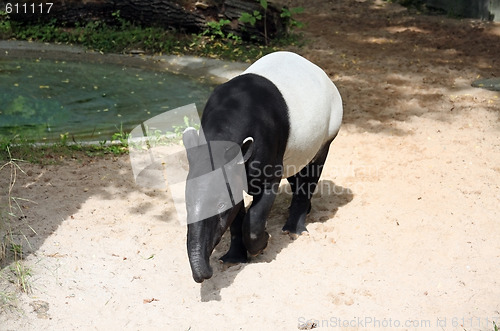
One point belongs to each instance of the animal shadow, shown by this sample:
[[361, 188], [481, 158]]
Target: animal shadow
[[326, 201]]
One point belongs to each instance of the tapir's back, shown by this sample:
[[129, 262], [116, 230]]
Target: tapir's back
[[314, 105]]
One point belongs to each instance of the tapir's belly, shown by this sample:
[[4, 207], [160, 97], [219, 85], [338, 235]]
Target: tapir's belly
[[314, 105]]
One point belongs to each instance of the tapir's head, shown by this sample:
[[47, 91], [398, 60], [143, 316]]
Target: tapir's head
[[214, 194]]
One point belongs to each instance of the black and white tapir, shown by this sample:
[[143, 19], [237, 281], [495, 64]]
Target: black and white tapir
[[283, 112]]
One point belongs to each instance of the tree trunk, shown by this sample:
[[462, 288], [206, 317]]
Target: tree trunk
[[183, 15], [167, 14]]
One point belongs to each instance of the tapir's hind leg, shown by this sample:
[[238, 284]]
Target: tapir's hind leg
[[303, 185]]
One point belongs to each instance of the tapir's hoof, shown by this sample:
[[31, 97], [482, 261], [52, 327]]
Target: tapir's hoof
[[252, 254], [229, 260], [294, 235]]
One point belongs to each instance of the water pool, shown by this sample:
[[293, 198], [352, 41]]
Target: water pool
[[43, 99]]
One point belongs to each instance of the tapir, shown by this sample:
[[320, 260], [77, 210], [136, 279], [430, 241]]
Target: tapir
[[282, 112]]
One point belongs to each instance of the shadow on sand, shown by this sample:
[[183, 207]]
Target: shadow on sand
[[328, 194]]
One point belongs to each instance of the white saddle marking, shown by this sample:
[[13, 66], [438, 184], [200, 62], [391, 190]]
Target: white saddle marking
[[314, 105]]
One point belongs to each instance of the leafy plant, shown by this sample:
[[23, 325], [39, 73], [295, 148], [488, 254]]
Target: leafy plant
[[179, 129], [251, 18], [122, 22], [255, 16], [215, 30], [159, 137], [5, 26], [44, 32], [263, 4], [121, 136], [288, 15], [64, 139]]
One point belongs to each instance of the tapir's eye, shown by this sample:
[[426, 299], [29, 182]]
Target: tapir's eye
[[221, 206]]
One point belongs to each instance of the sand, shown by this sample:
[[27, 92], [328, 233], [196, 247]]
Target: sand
[[404, 232]]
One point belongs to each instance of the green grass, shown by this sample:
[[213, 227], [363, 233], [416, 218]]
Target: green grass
[[124, 36], [6, 298], [12, 241], [29, 150], [21, 276]]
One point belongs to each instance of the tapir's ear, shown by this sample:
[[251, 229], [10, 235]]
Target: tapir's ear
[[247, 148], [190, 138]]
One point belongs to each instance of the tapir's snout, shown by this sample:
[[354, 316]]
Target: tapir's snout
[[200, 265], [199, 275], [199, 248]]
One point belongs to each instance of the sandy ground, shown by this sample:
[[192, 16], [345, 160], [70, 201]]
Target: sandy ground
[[404, 233]]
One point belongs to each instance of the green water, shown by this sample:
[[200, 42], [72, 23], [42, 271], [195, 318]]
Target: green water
[[43, 99]]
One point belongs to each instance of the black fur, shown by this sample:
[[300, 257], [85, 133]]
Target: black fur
[[251, 106]]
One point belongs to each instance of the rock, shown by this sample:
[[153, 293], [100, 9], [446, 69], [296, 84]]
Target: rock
[[41, 308], [492, 84]]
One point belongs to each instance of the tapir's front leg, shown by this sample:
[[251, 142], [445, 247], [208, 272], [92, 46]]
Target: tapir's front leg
[[255, 236], [237, 251]]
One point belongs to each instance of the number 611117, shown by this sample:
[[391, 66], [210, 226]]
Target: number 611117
[[28, 8]]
